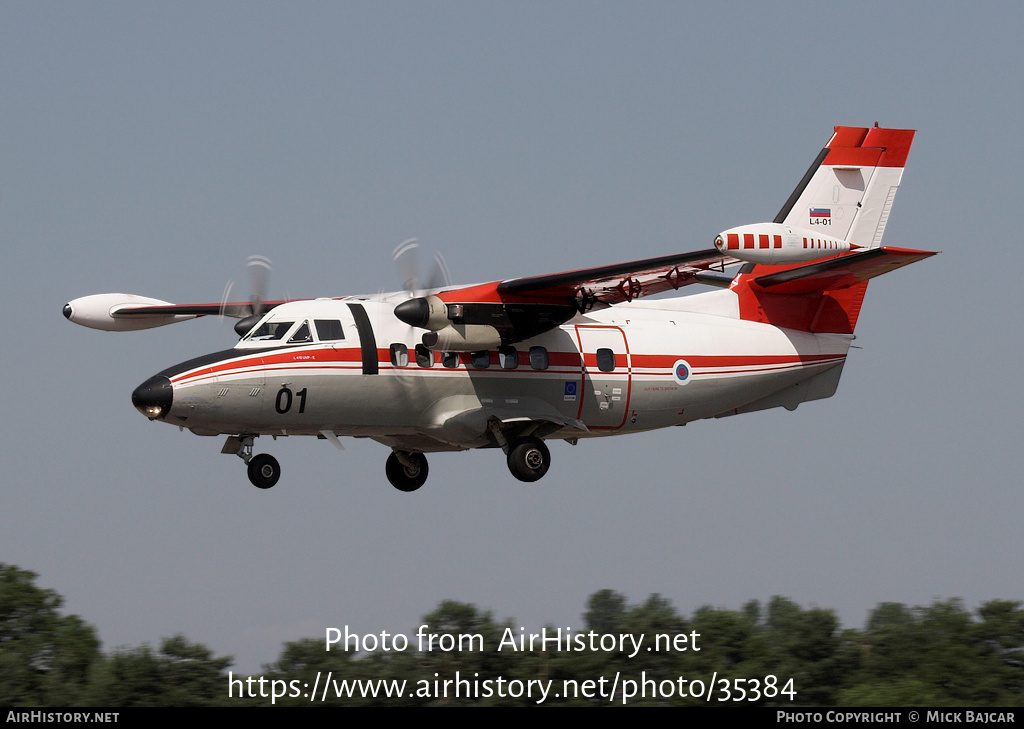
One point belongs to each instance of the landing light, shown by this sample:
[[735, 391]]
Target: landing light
[[153, 411]]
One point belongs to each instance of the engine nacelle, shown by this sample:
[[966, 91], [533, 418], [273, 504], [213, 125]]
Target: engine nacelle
[[100, 312], [777, 243], [463, 338]]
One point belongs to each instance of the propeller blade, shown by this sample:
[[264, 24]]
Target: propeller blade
[[439, 277], [259, 275], [226, 296], [405, 257]]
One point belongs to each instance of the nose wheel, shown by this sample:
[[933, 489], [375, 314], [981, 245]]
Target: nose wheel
[[264, 471], [407, 471]]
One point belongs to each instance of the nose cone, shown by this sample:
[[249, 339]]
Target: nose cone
[[153, 397], [68, 311]]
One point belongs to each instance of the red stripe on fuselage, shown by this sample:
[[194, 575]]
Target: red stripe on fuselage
[[257, 360], [560, 363]]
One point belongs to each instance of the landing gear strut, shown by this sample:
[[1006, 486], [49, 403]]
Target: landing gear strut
[[264, 470], [529, 459], [407, 471]]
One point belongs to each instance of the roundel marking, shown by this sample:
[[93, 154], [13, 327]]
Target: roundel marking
[[681, 371]]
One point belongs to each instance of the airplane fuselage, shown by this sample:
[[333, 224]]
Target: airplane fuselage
[[347, 367]]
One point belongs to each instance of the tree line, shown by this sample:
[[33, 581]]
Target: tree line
[[936, 655]]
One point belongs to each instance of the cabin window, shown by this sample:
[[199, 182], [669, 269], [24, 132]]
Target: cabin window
[[328, 330], [539, 358], [270, 331], [424, 356], [450, 360], [508, 358], [481, 360], [399, 355], [302, 335], [605, 359]]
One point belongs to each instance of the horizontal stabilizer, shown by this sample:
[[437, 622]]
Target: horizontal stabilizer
[[839, 273]]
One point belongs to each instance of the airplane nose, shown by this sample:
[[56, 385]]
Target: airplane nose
[[67, 311], [153, 397]]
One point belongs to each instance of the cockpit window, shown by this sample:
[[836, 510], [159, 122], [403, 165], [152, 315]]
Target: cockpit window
[[328, 330], [302, 335], [270, 331]]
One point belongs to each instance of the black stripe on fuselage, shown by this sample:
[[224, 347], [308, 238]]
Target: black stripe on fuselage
[[784, 213], [212, 358], [367, 342]]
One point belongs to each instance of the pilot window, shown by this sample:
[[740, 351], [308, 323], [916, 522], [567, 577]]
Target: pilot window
[[508, 358], [450, 360], [424, 356], [328, 330], [302, 335], [270, 331], [481, 360], [539, 358], [399, 355], [605, 360]]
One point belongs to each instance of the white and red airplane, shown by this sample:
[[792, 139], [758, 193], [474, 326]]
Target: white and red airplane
[[566, 356]]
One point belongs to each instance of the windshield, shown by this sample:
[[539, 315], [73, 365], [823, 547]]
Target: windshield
[[269, 331]]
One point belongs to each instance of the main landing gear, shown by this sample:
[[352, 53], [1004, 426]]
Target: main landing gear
[[529, 459], [527, 456], [407, 471]]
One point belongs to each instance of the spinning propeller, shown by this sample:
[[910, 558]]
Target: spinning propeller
[[259, 275], [423, 309]]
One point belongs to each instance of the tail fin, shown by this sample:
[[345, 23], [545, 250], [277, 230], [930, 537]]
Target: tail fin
[[848, 191], [846, 195]]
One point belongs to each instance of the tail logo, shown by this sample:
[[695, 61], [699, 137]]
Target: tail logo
[[820, 216]]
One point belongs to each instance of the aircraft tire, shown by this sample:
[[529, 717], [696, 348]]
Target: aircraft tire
[[264, 471], [406, 479], [529, 459]]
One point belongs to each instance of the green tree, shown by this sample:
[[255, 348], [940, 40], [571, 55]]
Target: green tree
[[45, 658], [606, 611], [179, 674], [1001, 634], [464, 623], [806, 646]]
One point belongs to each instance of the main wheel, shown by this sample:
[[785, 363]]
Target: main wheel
[[264, 471], [407, 478], [529, 459]]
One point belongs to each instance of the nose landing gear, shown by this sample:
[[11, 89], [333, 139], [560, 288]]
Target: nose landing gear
[[264, 470]]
